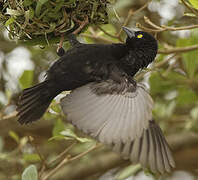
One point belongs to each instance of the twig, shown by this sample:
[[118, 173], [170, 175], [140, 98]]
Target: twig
[[148, 21], [101, 163], [10, 116], [110, 35], [180, 28], [53, 171], [97, 37], [170, 67], [58, 157], [189, 7], [30, 138], [68, 159], [85, 152], [161, 63], [155, 67], [63, 153], [130, 14], [108, 160], [178, 50], [82, 24], [138, 25], [162, 28], [140, 75]]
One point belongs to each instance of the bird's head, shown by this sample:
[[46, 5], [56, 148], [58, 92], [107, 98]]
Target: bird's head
[[142, 45]]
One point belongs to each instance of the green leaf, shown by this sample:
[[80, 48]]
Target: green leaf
[[31, 12], [31, 157], [159, 85], [189, 59], [194, 3], [190, 14], [129, 171], [39, 6], [190, 62], [30, 173], [58, 137], [27, 2], [56, 108], [186, 96], [58, 7], [26, 79], [9, 21], [176, 77], [109, 28], [83, 140], [14, 136], [69, 134], [58, 128]]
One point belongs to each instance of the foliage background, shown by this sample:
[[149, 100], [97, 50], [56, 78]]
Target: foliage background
[[53, 149]]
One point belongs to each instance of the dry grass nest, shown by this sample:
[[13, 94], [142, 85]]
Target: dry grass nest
[[38, 20]]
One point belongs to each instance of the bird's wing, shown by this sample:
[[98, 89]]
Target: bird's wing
[[120, 115]]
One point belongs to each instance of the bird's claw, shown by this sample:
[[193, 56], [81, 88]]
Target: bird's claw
[[60, 51]]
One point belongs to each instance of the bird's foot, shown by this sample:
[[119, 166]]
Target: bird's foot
[[60, 51]]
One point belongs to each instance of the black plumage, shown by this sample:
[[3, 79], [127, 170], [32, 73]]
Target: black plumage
[[86, 63], [105, 101]]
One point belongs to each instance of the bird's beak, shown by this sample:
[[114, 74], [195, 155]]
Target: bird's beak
[[129, 32]]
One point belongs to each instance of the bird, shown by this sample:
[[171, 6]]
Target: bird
[[105, 101]]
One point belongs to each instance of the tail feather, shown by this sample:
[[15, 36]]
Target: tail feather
[[28, 103], [34, 101], [166, 149]]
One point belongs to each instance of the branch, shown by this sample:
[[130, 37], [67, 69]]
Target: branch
[[67, 160], [9, 116], [180, 28], [101, 163], [161, 63], [180, 145], [189, 7], [96, 37], [162, 28], [108, 34], [178, 50], [130, 14], [138, 25]]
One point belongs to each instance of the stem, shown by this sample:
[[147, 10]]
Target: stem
[[67, 160], [178, 50], [130, 14]]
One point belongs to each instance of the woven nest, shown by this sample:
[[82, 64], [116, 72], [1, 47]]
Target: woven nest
[[29, 20]]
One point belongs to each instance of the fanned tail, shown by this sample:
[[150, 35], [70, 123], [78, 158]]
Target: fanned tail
[[34, 101]]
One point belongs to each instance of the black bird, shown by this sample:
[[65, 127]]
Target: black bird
[[105, 101]]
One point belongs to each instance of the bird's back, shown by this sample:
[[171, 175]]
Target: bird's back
[[85, 63]]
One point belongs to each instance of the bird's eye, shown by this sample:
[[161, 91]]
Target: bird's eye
[[139, 36]]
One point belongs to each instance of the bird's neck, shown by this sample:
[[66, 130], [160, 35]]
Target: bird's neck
[[119, 50], [137, 59]]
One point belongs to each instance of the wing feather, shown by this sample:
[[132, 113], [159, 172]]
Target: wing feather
[[121, 119]]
